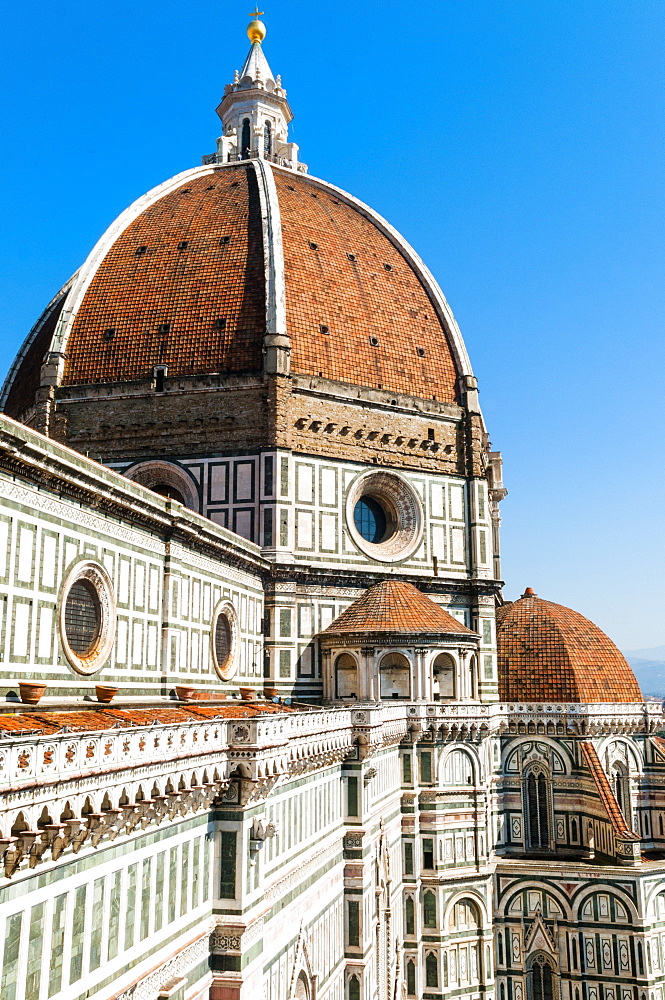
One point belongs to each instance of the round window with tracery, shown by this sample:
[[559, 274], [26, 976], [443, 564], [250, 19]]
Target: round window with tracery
[[87, 617], [225, 640], [384, 516]]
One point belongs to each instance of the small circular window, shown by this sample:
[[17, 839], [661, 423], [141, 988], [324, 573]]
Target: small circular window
[[384, 516], [225, 640], [87, 617]]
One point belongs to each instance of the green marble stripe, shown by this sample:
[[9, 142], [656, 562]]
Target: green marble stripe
[[104, 855]]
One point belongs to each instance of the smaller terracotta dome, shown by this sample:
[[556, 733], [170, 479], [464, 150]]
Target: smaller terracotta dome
[[549, 653], [395, 606]]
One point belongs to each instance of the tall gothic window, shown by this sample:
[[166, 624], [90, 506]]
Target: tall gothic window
[[267, 139], [537, 810], [246, 141], [541, 979], [620, 783], [411, 978], [410, 915], [429, 909]]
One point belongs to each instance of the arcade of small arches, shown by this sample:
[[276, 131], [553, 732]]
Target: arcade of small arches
[[401, 674], [35, 830]]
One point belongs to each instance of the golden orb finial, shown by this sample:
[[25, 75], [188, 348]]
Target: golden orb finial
[[256, 30]]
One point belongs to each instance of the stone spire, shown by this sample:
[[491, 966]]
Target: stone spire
[[254, 112]]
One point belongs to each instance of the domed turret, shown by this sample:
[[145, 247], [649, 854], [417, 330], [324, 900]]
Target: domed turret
[[549, 653]]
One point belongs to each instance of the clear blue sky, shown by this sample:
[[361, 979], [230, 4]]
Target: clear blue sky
[[518, 144]]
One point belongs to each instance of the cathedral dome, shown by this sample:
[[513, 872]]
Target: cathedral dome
[[200, 271], [549, 653]]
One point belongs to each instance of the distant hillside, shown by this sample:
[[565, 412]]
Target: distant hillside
[[649, 667]]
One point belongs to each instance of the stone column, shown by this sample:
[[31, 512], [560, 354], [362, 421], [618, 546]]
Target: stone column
[[368, 681], [328, 674], [424, 681], [463, 690]]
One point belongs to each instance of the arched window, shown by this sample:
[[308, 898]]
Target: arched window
[[573, 830], [429, 909], [464, 956], [246, 140], [621, 789], [411, 978], [410, 915], [431, 970], [302, 988], [540, 979], [267, 139], [346, 676], [167, 479], [354, 988], [499, 942], [444, 678], [537, 810], [473, 678], [395, 676], [458, 769]]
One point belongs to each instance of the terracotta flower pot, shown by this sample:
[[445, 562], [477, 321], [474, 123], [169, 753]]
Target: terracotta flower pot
[[105, 694], [31, 693], [247, 694], [185, 693], [270, 692]]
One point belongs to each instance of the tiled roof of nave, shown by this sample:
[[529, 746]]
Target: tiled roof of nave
[[100, 719]]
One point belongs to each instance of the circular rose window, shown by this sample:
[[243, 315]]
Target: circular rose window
[[384, 516], [87, 617], [225, 640]]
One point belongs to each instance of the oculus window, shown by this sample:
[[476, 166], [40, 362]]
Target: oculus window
[[224, 643], [370, 520], [384, 516], [87, 617]]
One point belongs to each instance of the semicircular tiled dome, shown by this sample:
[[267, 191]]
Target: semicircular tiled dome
[[549, 653], [197, 272], [396, 606]]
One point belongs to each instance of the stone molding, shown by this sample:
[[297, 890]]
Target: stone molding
[[149, 986], [45, 504]]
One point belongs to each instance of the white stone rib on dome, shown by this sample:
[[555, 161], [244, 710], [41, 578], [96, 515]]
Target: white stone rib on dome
[[276, 322], [437, 297], [32, 335], [87, 272]]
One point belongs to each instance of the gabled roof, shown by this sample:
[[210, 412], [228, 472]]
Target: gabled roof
[[612, 808], [394, 606]]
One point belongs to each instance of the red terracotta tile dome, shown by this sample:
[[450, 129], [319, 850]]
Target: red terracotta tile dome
[[394, 606], [549, 653], [195, 273]]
